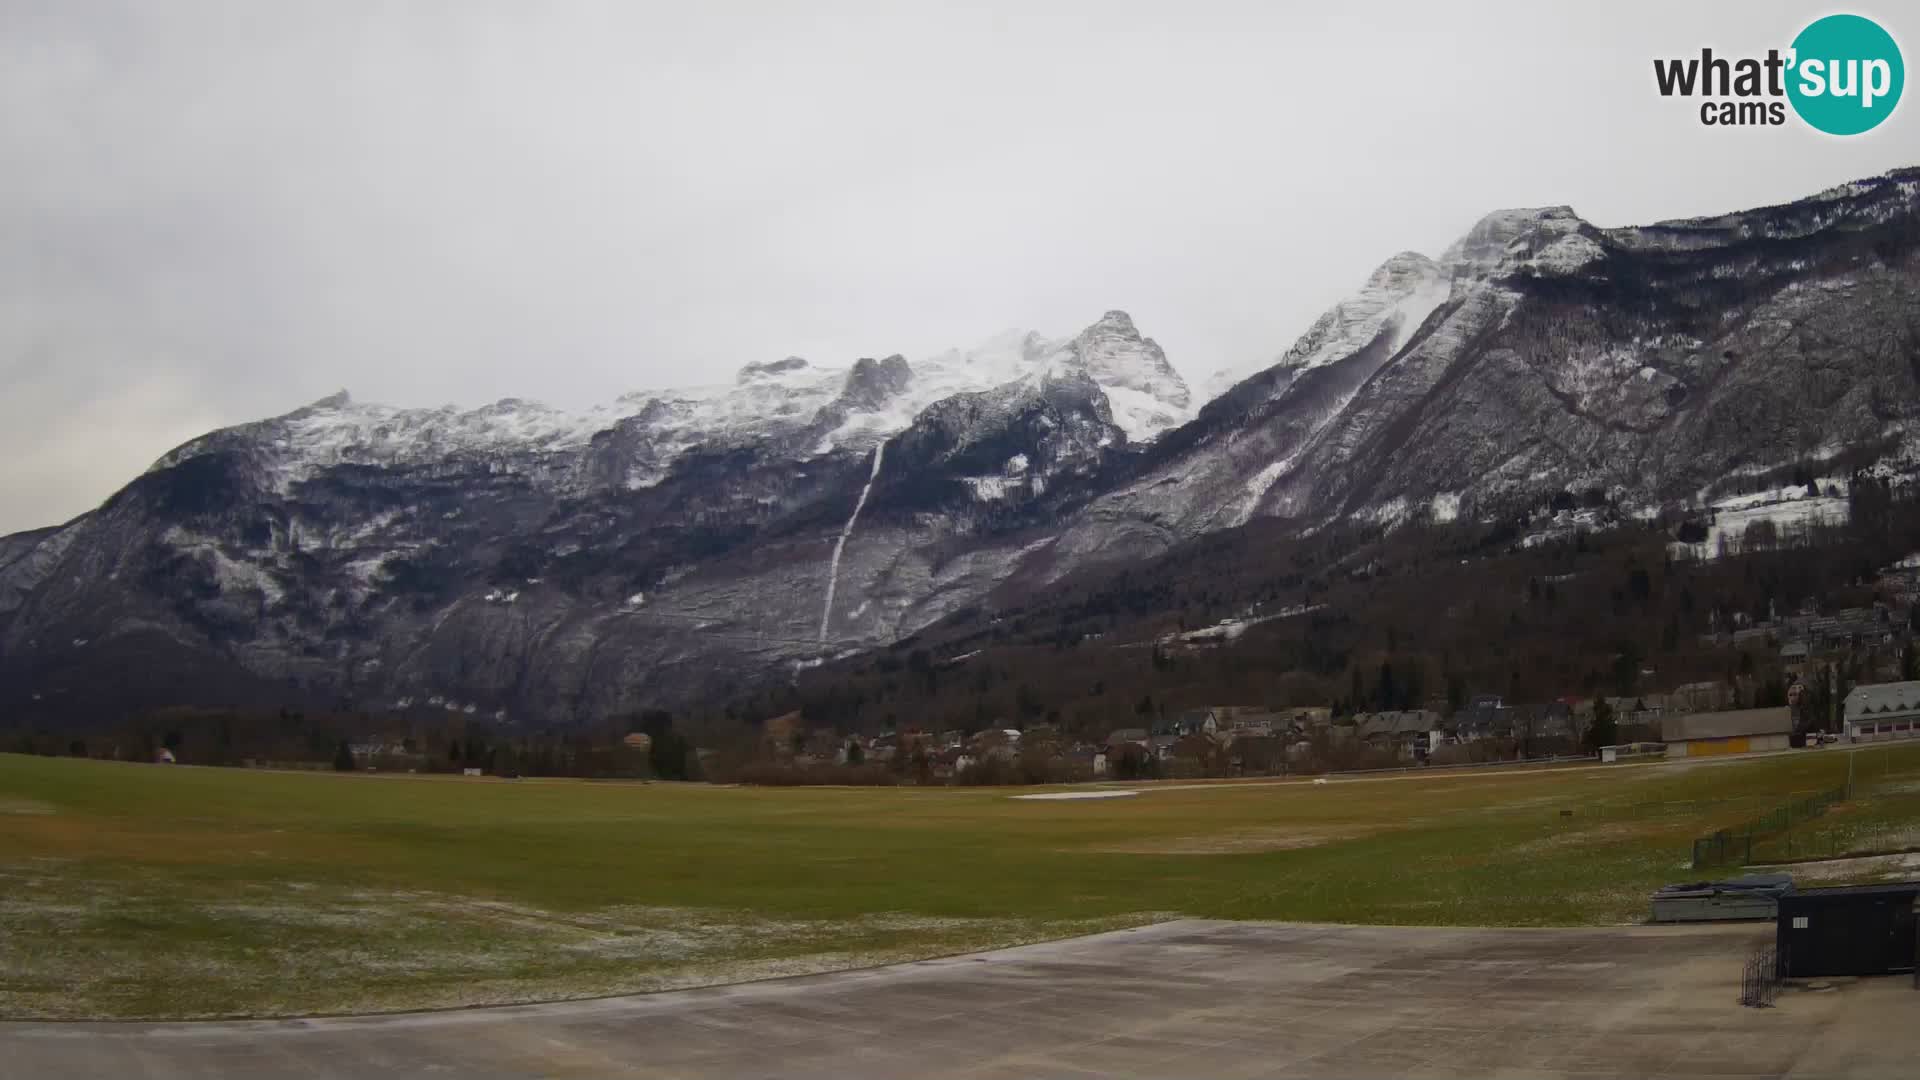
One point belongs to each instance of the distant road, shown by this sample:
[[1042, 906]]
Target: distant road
[[1183, 999]]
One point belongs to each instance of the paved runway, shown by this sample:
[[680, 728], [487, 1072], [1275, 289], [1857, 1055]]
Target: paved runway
[[1185, 999]]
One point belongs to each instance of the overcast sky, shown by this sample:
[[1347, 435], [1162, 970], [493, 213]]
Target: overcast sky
[[212, 212]]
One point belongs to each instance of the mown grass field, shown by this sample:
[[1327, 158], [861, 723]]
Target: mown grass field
[[135, 890]]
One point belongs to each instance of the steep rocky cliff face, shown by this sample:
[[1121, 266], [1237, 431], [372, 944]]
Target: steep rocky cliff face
[[520, 562]]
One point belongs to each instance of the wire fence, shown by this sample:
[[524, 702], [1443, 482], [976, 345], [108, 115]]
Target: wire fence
[[1769, 836], [1760, 981], [1839, 841]]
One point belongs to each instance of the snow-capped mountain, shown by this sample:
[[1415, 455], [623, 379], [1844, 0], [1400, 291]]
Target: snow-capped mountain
[[807, 410], [526, 562], [517, 557], [1650, 362], [1144, 392]]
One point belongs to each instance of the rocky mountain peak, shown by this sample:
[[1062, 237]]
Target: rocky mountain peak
[[1401, 271], [1114, 353], [762, 369], [872, 382], [1506, 241], [1397, 297], [1146, 393]]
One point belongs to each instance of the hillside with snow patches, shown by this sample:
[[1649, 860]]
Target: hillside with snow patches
[[521, 561]]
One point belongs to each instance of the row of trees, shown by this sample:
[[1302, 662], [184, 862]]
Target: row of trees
[[432, 743]]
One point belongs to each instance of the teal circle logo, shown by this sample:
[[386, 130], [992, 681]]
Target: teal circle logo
[[1846, 76]]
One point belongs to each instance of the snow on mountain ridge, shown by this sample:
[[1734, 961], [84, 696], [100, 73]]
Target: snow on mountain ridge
[[339, 430], [1146, 394], [1396, 299], [1402, 292], [1005, 358], [1503, 240], [851, 408], [1347, 364]]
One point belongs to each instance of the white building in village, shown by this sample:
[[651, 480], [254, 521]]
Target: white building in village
[[1884, 711]]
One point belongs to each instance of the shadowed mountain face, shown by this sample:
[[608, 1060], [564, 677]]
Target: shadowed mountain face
[[526, 564]]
